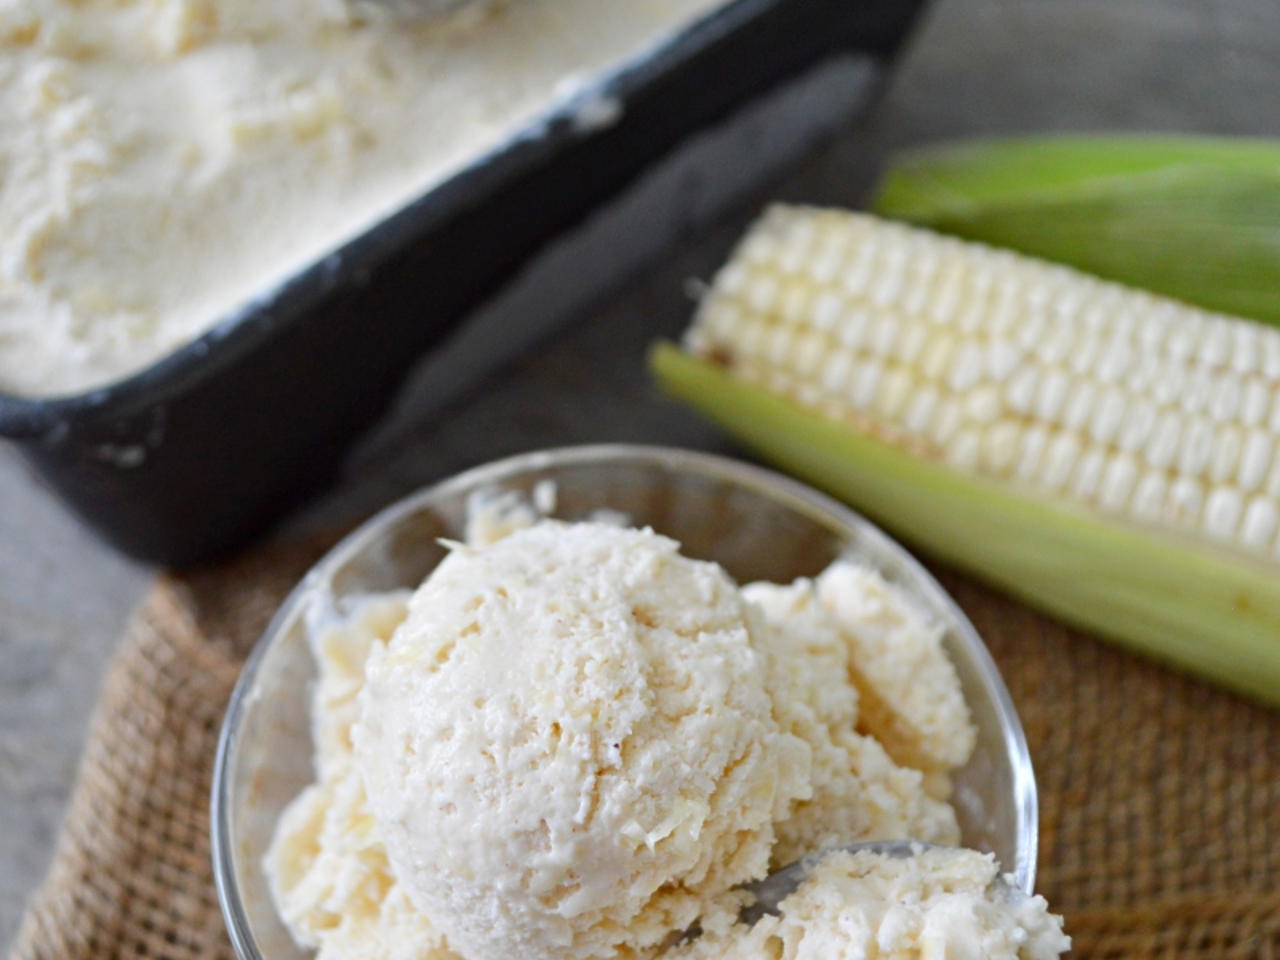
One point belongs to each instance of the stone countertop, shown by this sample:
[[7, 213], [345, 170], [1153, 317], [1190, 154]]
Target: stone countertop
[[974, 66]]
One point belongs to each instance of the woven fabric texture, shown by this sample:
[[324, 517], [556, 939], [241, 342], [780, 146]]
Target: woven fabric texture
[[1160, 797]]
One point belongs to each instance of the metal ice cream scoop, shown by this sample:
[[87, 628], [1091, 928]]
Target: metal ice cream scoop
[[780, 884], [418, 9]]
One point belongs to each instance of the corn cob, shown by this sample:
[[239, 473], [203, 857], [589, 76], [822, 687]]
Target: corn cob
[[1109, 454]]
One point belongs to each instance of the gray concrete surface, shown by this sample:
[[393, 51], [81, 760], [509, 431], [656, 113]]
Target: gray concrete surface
[[975, 66]]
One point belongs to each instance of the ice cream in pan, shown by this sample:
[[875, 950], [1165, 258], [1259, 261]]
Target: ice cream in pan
[[167, 162], [574, 742]]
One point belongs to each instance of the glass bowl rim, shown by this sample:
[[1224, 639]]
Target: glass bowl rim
[[791, 493]]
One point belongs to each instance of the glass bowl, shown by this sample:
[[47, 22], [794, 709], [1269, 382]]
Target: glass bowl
[[757, 524]]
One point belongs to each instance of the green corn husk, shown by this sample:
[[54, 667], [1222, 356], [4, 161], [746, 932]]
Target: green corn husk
[[1207, 611], [1193, 218]]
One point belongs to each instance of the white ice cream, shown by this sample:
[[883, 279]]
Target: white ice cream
[[568, 744], [858, 792], [161, 161], [327, 864], [572, 742], [942, 904], [911, 699]]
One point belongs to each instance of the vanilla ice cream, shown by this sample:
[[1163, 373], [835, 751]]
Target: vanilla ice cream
[[911, 700], [327, 864], [568, 743], [164, 161], [858, 791], [940, 904], [574, 742]]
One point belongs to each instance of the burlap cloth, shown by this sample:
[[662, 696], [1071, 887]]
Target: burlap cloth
[[1160, 797]]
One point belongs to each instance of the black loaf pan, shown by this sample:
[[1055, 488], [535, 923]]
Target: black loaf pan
[[200, 451]]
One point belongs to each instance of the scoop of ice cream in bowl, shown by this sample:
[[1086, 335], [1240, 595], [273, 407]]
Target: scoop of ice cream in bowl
[[574, 703]]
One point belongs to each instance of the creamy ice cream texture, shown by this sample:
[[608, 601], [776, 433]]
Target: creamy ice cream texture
[[857, 790], [572, 741], [569, 741], [941, 904], [165, 160]]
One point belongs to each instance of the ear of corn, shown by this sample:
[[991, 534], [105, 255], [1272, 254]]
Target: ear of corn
[[1193, 218], [1106, 454]]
